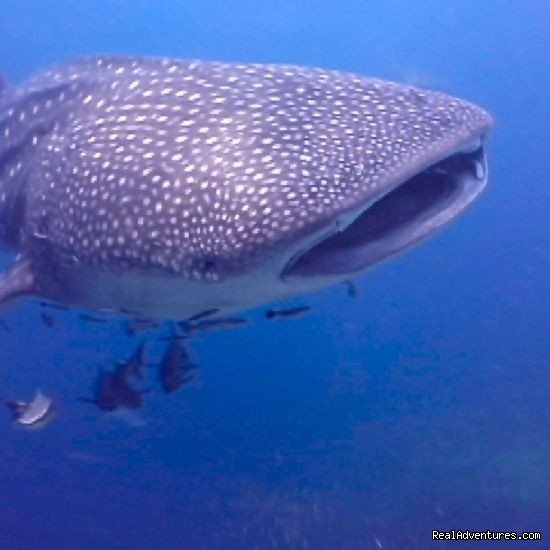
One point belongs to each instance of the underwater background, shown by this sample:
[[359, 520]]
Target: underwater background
[[420, 404]]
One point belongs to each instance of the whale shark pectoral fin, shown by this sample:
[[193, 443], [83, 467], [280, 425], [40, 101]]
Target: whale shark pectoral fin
[[17, 282]]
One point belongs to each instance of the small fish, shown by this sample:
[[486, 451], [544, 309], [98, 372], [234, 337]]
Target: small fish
[[134, 366], [212, 324], [48, 320], [176, 367], [33, 414], [112, 391], [202, 315], [92, 318], [290, 312], [125, 311], [49, 305]]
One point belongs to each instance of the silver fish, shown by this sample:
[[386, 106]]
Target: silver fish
[[32, 414], [170, 187]]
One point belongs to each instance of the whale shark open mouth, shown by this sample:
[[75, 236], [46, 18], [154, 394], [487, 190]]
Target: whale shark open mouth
[[407, 213]]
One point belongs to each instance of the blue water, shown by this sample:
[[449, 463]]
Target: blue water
[[421, 404]]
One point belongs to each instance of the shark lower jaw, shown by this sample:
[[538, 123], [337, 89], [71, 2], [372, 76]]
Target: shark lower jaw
[[408, 212]]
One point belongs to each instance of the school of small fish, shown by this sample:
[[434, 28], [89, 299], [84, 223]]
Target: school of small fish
[[120, 387]]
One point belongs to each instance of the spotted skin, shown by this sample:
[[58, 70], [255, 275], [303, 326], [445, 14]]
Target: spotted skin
[[198, 171]]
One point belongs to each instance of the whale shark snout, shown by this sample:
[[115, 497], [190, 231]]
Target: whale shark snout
[[402, 211], [171, 187]]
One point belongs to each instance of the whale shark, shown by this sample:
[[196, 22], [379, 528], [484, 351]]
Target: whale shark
[[168, 187]]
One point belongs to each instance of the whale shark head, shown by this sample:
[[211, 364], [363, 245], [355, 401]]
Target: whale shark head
[[170, 187]]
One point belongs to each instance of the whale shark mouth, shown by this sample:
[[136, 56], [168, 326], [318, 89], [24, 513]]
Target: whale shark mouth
[[407, 213]]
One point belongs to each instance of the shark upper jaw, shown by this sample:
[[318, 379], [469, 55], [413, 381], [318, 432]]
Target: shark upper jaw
[[409, 209]]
